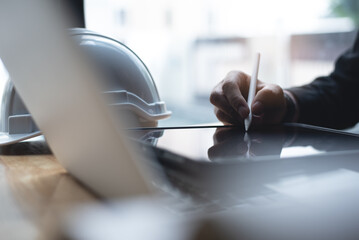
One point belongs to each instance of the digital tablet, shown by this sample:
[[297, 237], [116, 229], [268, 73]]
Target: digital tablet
[[226, 144]]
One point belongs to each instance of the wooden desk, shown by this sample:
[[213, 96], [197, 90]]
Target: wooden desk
[[35, 192]]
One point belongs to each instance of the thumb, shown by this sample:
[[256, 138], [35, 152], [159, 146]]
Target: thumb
[[258, 108], [269, 103]]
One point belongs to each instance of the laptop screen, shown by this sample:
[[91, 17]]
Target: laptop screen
[[222, 144]]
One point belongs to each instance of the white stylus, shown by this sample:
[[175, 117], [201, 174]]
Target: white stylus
[[252, 91]]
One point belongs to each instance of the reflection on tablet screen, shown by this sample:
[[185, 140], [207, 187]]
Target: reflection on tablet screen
[[224, 144]]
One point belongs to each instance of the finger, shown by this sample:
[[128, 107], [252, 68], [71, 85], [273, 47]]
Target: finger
[[235, 98], [269, 96], [218, 99], [241, 79], [257, 120], [224, 118]]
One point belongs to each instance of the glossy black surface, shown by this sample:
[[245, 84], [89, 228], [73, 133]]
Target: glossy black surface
[[230, 144]]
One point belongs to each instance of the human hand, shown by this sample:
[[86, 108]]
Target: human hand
[[229, 98]]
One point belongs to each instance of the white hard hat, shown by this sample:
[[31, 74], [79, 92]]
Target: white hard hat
[[127, 83]]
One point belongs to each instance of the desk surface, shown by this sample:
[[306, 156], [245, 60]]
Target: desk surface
[[35, 191]]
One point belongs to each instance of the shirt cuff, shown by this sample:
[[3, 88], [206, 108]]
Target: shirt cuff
[[295, 112]]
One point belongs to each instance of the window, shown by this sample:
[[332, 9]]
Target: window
[[189, 46]]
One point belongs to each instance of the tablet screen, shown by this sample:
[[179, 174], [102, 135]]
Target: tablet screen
[[221, 144]]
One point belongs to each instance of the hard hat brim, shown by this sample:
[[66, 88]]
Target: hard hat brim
[[6, 138]]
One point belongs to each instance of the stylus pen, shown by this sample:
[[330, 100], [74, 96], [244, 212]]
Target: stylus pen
[[252, 91]]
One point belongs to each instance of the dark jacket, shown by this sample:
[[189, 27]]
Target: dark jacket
[[332, 101]]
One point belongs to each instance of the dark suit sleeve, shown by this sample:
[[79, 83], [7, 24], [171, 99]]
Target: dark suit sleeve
[[332, 101]]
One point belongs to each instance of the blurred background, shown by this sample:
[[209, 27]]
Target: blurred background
[[189, 46]]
